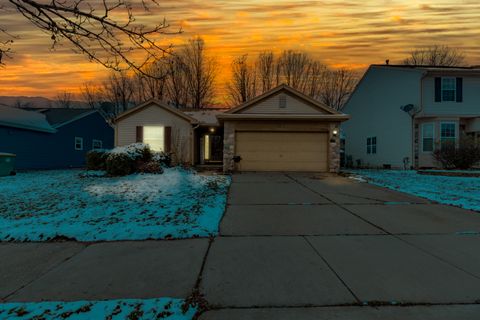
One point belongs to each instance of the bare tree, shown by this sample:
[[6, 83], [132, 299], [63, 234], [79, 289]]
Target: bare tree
[[243, 86], [265, 66], [436, 55], [105, 31], [293, 67], [200, 73], [337, 87], [118, 90], [64, 99], [176, 83], [153, 86], [92, 95]]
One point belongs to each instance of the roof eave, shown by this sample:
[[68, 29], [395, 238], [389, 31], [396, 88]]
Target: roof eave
[[295, 117], [26, 127]]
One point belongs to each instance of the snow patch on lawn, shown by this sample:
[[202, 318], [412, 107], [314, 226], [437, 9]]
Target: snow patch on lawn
[[463, 192], [39, 206], [163, 308]]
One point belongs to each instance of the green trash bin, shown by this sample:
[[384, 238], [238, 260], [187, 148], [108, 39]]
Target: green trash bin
[[7, 164]]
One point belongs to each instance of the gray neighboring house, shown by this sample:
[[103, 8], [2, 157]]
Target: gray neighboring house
[[401, 114]]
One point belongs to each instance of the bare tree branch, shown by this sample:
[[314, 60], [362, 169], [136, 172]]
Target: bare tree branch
[[95, 28], [436, 55]]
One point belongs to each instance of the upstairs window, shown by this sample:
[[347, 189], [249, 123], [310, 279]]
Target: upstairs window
[[448, 134], [78, 143], [372, 145], [449, 89]]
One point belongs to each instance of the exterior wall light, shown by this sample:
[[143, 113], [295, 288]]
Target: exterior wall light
[[335, 132], [212, 130]]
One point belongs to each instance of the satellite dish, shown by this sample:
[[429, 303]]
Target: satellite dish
[[408, 107]]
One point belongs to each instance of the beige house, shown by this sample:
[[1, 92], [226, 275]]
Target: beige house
[[281, 130]]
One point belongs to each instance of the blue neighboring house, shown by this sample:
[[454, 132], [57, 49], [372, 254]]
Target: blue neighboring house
[[53, 138]]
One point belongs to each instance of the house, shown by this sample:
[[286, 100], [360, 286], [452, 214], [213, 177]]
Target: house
[[401, 114], [280, 130], [52, 138]]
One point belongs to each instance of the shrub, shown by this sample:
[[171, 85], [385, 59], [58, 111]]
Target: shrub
[[135, 151], [96, 159], [465, 156], [150, 167], [163, 158], [119, 164]]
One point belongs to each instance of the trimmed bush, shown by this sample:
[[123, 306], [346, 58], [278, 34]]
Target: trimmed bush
[[163, 158], [119, 164], [150, 167], [463, 157], [96, 159]]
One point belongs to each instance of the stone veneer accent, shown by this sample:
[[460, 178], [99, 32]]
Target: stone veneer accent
[[228, 146], [334, 149]]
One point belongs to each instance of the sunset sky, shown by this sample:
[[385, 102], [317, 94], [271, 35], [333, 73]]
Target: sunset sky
[[340, 33]]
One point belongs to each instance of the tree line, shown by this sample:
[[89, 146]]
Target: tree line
[[186, 79]]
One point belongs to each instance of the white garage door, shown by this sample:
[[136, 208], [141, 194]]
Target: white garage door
[[282, 151]]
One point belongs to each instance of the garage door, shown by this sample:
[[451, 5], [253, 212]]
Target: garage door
[[282, 151]]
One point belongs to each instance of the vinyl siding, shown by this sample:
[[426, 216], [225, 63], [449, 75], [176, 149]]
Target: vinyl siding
[[157, 116], [38, 150], [271, 106], [469, 106], [375, 111]]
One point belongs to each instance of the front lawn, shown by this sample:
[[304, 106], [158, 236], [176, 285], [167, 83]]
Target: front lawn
[[44, 205], [458, 191]]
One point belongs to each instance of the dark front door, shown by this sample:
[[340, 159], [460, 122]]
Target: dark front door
[[216, 147]]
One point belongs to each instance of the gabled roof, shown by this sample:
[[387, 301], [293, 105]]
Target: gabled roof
[[23, 119], [159, 104], [288, 89], [59, 117]]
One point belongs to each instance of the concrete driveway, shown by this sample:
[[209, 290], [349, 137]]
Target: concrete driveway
[[299, 246]]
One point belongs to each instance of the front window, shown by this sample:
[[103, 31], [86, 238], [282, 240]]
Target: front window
[[154, 136], [78, 143], [428, 132], [97, 144], [372, 145], [448, 89], [448, 133]]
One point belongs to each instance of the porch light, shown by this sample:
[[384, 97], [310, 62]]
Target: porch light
[[212, 130], [335, 132]]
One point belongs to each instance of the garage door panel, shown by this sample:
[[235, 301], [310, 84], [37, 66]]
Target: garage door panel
[[282, 151]]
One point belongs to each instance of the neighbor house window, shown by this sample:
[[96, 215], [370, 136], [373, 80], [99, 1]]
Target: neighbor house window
[[78, 143], [154, 136], [448, 89], [428, 135], [372, 145], [97, 144], [448, 134]]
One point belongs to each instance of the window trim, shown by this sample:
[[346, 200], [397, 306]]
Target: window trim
[[446, 138], [97, 140], [80, 139], [433, 136], [454, 89]]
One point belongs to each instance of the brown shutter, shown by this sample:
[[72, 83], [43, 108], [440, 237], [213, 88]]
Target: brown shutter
[[168, 139], [139, 134]]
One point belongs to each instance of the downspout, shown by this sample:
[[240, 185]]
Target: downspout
[[414, 161]]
